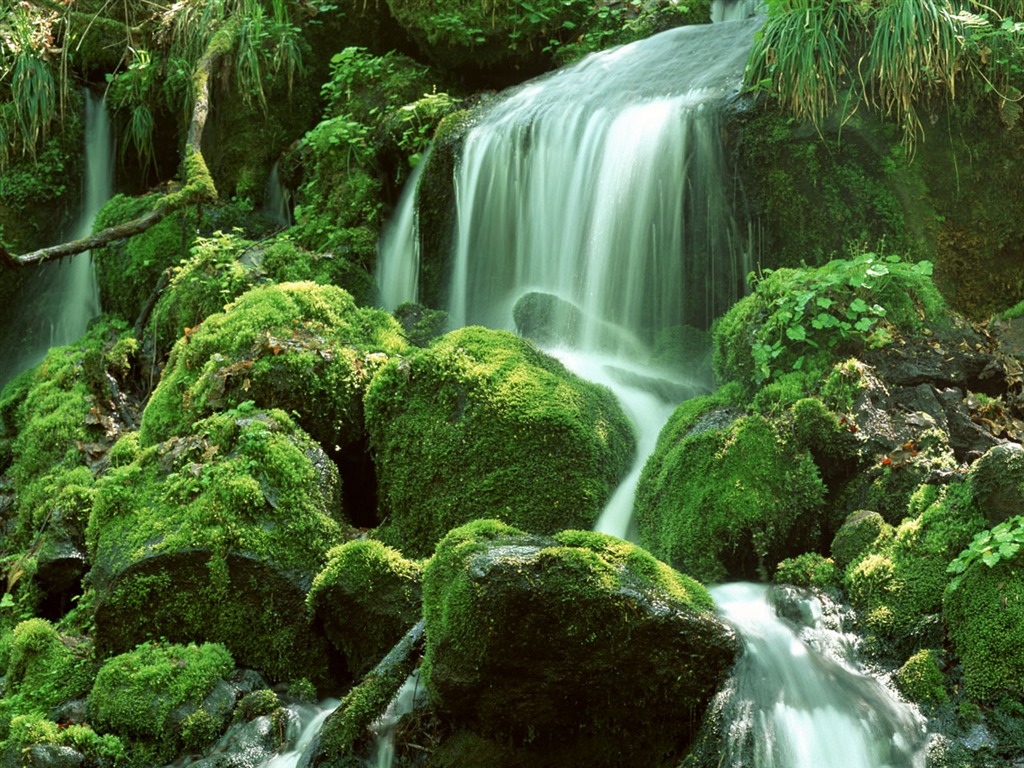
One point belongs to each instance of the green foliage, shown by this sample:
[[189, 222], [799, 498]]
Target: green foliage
[[808, 570], [482, 423], [728, 499], [1001, 542], [807, 319], [859, 532], [920, 678], [45, 668], [156, 691]]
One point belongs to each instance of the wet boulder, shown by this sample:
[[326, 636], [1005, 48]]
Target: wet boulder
[[366, 598], [577, 649], [483, 424], [217, 536], [307, 349]]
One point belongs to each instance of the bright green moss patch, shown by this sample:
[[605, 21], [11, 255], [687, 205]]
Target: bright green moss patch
[[898, 581], [482, 424], [305, 348], [367, 597], [920, 678], [808, 570], [808, 319], [217, 536], [728, 497], [46, 668], [858, 532], [153, 692]]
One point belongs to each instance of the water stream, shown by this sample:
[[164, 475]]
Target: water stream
[[57, 300], [801, 700]]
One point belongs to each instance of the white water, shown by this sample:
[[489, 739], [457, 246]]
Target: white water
[[604, 187], [383, 729], [802, 701], [277, 198], [61, 298], [311, 720], [398, 253]]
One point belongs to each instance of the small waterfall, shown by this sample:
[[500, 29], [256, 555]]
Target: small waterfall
[[802, 702], [277, 198], [383, 729], [602, 190], [311, 720], [60, 298], [398, 253]]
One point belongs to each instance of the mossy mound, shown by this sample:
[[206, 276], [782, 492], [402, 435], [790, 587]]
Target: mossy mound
[[807, 320], [723, 496], [898, 581], [483, 424], [858, 532], [283, 260], [578, 649], [162, 695], [920, 678], [985, 611], [304, 348], [366, 599], [217, 536], [45, 668]]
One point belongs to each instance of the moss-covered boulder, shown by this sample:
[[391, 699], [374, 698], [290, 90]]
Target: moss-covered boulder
[[44, 669], [165, 697], [860, 529], [898, 581], [998, 479], [484, 424], [217, 536], [727, 496], [579, 649], [304, 348], [366, 599]]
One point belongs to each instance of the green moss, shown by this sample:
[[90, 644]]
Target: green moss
[[808, 570], [45, 668], [732, 500], [920, 678], [859, 531], [216, 536], [897, 584], [482, 424], [285, 260], [809, 319], [298, 346], [256, 704], [984, 609], [367, 597], [156, 691]]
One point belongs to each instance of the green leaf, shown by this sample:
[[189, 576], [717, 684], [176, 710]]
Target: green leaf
[[864, 324], [824, 302], [878, 270], [990, 558], [859, 306], [1008, 549], [796, 332]]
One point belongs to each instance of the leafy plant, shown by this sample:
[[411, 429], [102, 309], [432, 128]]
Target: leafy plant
[[991, 546]]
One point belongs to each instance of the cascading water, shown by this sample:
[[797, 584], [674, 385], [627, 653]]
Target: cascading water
[[277, 198], [62, 297], [800, 700], [598, 198], [398, 253]]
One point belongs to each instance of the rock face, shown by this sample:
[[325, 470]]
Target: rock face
[[579, 649], [482, 424], [217, 537]]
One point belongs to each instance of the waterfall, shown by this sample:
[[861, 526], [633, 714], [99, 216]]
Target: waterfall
[[596, 202], [398, 253], [801, 701], [60, 298], [277, 198]]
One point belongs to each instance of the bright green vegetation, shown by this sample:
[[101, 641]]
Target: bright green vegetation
[[482, 424], [858, 532], [898, 56], [302, 347], [366, 598], [808, 570], [805, 320], [519, 626], [155, 694], [44, 669], [284, 260], [897, 583], [727, 495], [216, 536], [920, 678]]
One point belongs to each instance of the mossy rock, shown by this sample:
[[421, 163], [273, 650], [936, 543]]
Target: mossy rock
[[484, 424], [159, 693], [898, 581], [304, 348], [920, 679], [998, 479], [728, 500], [217, 536], [45, 667], [366, 598], [855, 536], [579, 649]]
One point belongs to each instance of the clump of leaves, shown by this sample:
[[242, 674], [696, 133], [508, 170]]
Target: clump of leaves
[[1001, 542]]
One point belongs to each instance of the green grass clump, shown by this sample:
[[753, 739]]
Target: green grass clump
[[482, 424], [305, 348], [728, 499]]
